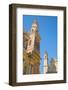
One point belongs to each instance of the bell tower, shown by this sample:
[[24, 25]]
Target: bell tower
[[45, 62], [33, 48], [32, 53], [35, 32]]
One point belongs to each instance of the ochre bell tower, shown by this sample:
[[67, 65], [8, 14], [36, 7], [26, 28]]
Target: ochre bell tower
[[33, 49], [36, 47]]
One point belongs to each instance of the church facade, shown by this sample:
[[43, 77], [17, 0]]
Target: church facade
[[31, 50]]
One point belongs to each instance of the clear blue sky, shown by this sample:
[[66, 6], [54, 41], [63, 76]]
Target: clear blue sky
[[48, 33]]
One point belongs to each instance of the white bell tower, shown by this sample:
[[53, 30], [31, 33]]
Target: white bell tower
[[45, 63]]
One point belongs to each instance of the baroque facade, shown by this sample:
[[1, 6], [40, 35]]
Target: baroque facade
[[31, 52]]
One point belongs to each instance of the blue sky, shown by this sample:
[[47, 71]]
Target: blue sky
[[48, 33]]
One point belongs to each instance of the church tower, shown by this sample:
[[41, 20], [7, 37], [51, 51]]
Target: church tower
[[45, 62], [33, 49]]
